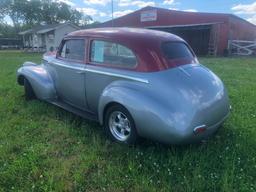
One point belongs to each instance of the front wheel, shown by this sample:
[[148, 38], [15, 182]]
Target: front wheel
[[29, 93], [119, 125]]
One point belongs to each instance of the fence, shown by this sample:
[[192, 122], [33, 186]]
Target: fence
[[243, 48]]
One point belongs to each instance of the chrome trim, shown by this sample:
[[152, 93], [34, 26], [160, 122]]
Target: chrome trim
[[184, 71], [28, 63], [68, 66], [118, 75]]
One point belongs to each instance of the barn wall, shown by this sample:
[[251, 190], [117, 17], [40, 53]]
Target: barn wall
[[197, 36], [241, 30], [231, 27], [222, 37]]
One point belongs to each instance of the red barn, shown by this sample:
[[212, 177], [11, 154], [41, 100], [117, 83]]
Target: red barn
[[207, 33]]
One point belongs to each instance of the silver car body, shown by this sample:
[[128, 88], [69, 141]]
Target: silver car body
[[167, 106]]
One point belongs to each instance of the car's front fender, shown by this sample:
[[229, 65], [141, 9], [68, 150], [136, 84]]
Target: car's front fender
[[39, 78]]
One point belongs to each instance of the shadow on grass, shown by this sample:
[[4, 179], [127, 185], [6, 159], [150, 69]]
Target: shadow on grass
[[86, 128]]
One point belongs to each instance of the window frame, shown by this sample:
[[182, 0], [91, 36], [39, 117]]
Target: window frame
[[58, 55], [110, 65]]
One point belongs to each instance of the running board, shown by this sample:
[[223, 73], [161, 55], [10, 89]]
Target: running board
[[79, 112]]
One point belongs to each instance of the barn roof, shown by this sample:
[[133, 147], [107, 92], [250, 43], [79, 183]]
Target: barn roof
[[167, 17]]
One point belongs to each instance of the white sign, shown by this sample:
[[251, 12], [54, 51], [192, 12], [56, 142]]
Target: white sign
[[150, 15], [98, 51]]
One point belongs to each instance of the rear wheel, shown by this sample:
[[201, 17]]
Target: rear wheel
[[119, 125], [29, 93]]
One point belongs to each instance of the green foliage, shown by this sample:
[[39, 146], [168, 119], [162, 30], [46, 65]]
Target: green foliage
[[44, 148], [92, 25], [7, 31], [31, 12]]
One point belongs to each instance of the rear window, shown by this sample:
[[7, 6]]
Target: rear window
[[177, 50]]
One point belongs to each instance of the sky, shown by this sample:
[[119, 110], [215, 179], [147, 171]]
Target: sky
[[100, 10]]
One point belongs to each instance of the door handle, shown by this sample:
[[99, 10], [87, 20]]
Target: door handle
[[80, 72]]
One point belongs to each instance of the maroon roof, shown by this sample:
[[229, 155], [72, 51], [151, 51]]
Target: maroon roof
[[128, 34], [146, 45]]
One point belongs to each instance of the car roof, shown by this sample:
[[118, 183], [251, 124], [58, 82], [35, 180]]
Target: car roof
[[145, 44], [127, 33]]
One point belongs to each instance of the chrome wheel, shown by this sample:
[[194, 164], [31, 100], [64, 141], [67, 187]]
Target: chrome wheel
[[119, 125]]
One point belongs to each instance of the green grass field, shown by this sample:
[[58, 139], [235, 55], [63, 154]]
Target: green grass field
[[44, 148]]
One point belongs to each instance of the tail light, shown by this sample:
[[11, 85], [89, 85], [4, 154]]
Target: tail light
[[200, 129]]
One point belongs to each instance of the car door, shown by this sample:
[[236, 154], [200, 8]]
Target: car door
[[69, 69], [108, 62]]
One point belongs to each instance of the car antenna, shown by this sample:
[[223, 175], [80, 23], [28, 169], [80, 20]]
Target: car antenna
[[112, 10]]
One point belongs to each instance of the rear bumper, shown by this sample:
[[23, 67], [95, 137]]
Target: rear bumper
[[209, 131], [187, 137]]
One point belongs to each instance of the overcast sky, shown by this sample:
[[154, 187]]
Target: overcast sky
[[100, 10]]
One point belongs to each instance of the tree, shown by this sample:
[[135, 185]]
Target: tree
[[3, 8], [32, 12], [91, 25], [7, 31]]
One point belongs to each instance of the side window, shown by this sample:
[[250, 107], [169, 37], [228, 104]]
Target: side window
[[103, 52], [63, 51], [73, 49]]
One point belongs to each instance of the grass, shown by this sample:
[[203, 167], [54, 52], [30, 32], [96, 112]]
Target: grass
[[44, 148]]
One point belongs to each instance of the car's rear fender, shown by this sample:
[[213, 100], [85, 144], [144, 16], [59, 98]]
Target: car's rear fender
[[136, 98], [39, 79], [194, 97], [123, 92], [166, 108]]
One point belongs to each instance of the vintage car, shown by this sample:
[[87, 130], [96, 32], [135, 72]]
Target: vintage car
[[134, 82]]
